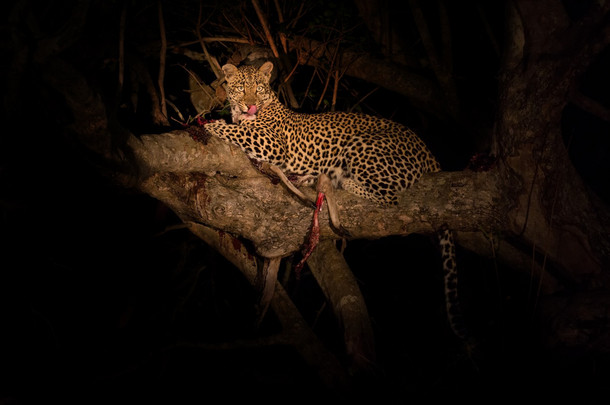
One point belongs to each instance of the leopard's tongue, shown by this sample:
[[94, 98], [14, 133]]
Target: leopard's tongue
[[252, 110]]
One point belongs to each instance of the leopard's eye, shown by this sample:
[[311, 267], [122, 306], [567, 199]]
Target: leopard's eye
[[239, 88], [260, 89]]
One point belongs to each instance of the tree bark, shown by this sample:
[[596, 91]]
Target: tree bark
[[553, 210], [216, 184], [347, 303], [295, 331]]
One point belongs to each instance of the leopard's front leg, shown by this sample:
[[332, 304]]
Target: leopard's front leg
[[257, 141]]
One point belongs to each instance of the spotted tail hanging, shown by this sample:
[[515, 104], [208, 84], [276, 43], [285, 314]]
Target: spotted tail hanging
[[454, 313]]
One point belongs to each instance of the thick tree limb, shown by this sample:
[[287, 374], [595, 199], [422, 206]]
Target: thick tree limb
[[295, 331], [215, 184], [347, 303], [554, 210]]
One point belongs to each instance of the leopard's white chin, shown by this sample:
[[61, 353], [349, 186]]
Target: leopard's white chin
[[248, 115]]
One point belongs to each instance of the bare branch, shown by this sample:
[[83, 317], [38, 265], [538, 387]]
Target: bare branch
[[555, 209], [237, 40], [263, 20], [590, 105], [280, 17], [422, 91], [162, 55], [216, 184], [295, 331], [347, 303], [121, 61], [211, 60], [440, 63]]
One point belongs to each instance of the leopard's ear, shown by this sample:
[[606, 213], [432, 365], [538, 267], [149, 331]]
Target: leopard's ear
[[266, 69], [229, 71]]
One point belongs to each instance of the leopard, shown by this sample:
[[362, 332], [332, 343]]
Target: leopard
[[372, 157]]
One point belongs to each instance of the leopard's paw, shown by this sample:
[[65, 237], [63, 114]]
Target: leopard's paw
[[213, 125], [245, 117]]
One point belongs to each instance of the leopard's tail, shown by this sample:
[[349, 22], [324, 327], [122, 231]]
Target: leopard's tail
[[454, 313]]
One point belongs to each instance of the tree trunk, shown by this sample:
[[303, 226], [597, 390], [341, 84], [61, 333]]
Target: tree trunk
[[553, 210]]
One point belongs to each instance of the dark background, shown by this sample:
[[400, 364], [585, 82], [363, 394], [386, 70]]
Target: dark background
[[102, 307]]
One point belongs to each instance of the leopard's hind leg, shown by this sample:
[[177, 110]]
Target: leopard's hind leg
[[325, 192]]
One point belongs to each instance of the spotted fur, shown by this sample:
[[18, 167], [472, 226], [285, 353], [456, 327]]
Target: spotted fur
[[372, 157], [454, 313]]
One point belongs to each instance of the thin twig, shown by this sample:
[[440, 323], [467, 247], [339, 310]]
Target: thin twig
[[313, 75], [289, 76], [211, 60], [336, 76], [287, 89], [280, 17], [162, 61], [122, 49], [203, 87], [235, 27], [176, 110], [362, 99], [216, 39], [263, 21], [300, 14], [330, 73], [326, 81], [490, 34], [370, 109], [440, 64], [446, 43], [589, 105], [426, 37]]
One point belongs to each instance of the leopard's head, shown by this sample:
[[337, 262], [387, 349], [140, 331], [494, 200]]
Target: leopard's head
[[248, 89]]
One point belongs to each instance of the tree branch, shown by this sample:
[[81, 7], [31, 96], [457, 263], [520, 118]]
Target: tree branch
[[216, 184], [554, 211], [422, 91], [162, 119], [295, 331], [347, 303], [589, 105], [263, 20]]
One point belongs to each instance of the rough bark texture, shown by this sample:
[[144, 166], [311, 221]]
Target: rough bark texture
[[295, 331], [336, 279], [553, 209], [217, 185]]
